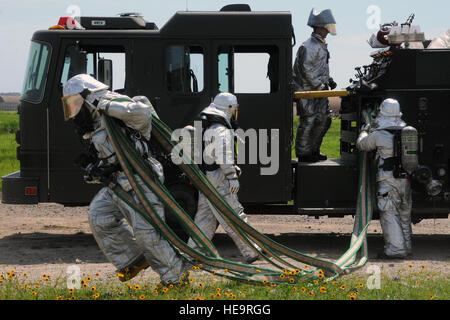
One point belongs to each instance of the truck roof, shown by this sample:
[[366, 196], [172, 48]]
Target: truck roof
[[204, 24]]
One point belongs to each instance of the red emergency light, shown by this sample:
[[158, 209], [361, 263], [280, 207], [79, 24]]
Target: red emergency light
[[69, 23]]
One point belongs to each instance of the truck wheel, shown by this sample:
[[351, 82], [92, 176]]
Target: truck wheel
[[187, 197]]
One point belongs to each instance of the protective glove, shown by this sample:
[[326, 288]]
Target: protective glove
[[332, 84], [234, 186]]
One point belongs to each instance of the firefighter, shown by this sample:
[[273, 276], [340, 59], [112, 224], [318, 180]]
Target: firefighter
[[311, 73], [129, 243], [394, 198], [221, 170]]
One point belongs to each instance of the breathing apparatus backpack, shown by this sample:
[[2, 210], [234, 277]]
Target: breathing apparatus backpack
[[406, 158], [197, 148]]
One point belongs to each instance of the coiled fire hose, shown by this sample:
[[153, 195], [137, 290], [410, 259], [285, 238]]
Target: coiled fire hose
[[138, 170]]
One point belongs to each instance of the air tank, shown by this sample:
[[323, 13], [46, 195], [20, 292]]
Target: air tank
[[410, 146]]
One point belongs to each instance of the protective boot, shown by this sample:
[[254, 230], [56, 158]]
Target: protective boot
[[133, 269]]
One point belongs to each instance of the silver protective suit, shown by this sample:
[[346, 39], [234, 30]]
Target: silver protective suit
[[219, 141], [122, 234], [394, 198], [311, 73]]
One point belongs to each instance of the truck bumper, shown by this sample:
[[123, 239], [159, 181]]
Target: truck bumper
[[19, 190]]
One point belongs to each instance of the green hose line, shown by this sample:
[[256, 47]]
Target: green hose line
[[364, 211], [149, 214], [139, 173], [199, 180]]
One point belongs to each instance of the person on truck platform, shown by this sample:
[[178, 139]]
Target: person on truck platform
[[311, 73]]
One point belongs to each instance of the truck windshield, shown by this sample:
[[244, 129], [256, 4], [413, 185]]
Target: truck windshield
[[36, 72]]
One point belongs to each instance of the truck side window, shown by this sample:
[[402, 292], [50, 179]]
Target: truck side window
[[248, 69], [85, 60], [36, 72], [184, 69]]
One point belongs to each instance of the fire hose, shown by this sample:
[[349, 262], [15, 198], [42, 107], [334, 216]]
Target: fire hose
[[282, 271]]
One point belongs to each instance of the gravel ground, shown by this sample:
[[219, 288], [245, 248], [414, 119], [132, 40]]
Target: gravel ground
[[48, 238]]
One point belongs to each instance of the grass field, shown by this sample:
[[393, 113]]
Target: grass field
[[415, 285], [9, 124]]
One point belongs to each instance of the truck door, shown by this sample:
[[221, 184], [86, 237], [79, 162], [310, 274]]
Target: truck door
[[253, 70], [186, 87], [98, 58]]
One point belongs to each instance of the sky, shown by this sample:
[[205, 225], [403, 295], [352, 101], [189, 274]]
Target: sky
[[356, 21]]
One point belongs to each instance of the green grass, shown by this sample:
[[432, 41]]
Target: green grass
[[9, 124], [406, 285], [331, 141]]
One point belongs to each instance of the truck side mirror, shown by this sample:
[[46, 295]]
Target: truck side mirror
[[105, 69]]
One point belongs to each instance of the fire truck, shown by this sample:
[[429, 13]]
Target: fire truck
[[181, 66]]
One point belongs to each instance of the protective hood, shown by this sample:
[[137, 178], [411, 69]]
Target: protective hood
[[73, 101], [80, 82], [213, 110], [322, 19]]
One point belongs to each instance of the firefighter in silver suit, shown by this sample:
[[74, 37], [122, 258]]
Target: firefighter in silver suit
[[127, 240], [311, 73], [221, 171], [394, 198]]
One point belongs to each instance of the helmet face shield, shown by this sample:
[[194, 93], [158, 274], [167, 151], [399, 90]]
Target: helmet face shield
[[235, 111], [72, 105], [331, 28]]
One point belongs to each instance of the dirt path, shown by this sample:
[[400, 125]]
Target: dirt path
[[48, 238]]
